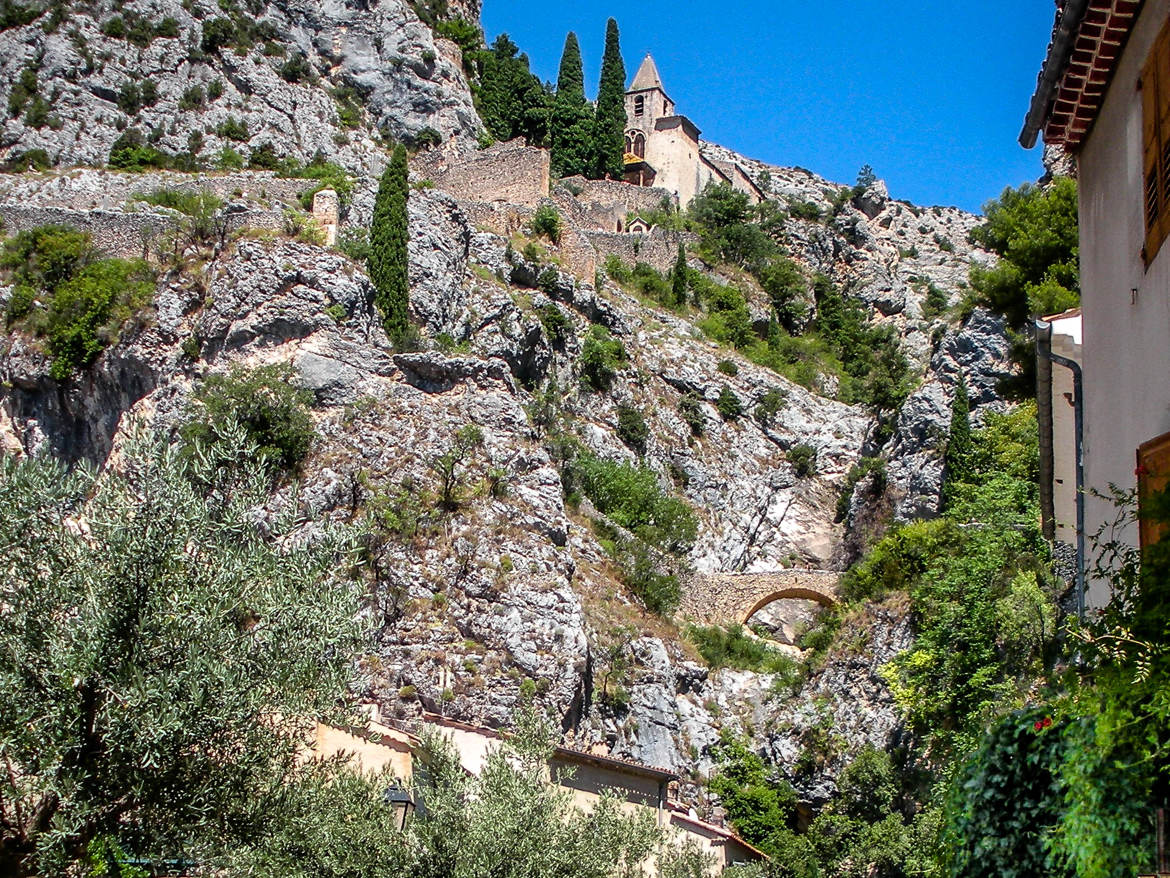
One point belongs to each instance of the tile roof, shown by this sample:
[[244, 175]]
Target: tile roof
[[1087, 41]]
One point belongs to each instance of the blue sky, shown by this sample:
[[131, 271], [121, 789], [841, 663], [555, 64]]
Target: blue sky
[[932, 93]]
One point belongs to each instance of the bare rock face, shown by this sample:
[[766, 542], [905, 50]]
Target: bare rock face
[[844, 706], [306, 65]]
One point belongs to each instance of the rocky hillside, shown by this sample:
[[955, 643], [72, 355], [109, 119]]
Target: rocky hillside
[[198, 78], [511, 592]]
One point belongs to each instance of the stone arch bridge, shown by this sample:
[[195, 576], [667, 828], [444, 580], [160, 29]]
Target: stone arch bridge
[[732, 598]]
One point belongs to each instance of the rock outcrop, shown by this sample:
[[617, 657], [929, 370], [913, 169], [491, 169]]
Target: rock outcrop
[[303, 77]]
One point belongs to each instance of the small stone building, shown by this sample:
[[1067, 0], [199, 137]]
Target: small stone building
[[662, 147]]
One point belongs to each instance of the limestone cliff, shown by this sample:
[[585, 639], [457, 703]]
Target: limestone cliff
[[513, 592]]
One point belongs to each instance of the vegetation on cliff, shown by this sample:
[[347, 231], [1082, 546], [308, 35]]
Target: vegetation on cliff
[[388, 238]]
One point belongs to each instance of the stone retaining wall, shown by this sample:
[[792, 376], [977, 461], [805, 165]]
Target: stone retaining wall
[[127, 235], [509, 172], [97, 189]]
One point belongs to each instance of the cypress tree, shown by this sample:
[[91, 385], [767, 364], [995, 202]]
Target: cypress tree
[[609, 142], [958, 460], [388, 237], [571, 125], [511, 101], [678, 279]]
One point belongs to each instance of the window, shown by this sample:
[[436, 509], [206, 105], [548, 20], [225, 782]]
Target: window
[[1155, 85], [640, 145], [639, 105], [1153, 475]]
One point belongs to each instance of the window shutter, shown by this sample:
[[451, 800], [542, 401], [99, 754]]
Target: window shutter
[[1153, 475], [1152, 167], [1161, 60]]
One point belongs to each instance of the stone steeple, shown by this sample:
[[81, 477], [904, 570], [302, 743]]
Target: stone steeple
[[647, 77]]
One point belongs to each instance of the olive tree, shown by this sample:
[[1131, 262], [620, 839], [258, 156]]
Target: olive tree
[[162, 646]]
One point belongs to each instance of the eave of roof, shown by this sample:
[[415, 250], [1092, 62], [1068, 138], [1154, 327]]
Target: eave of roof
[[678, 121], [566, 753], [1087, 42], [677, 813], [627, 766]]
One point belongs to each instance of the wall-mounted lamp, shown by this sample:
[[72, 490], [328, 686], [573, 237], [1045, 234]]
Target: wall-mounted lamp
[[400, 802]]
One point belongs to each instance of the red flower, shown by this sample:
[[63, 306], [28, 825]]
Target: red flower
[[1037, 726], [1047, 722]]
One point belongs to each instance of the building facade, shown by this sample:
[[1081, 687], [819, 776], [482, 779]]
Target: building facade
[[1104, 95], [663, 148], [585, 775]]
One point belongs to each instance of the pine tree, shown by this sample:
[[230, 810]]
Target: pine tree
[[571, 125], [610, 127], [957, 462], [678, 279], [388, 238]]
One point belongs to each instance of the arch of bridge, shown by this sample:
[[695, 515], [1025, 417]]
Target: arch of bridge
[[732, 598]]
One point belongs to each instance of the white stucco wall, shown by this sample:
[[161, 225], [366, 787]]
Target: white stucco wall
[[1126, 335], [1066, 341], [675, 157]]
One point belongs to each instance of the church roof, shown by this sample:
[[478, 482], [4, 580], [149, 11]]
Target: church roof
[[647, 76]]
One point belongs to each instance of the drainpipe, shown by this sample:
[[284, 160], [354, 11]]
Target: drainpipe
[[1045, 355]]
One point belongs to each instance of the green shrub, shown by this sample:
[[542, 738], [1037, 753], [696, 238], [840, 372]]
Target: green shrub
[[218, 33], [648, 281], [935, 302], [547, 222], [864, 467], [130, 152], [732, 646], [85, 300], [601, 357], [728, 404], [631, 428], [27, 160], [215, 89], [803, 459], [768, 407], [805, 210], [727, 367], [229, 159], [328, 175], [690, 407], [632, 499], [728, 319], [556, 324], [659, 591], [1008, 799], [232, 129], [23, 90], [87, 311], [168, 28], [355, 243], [348, 101], [618, 270], [296, 69], [265, 401]]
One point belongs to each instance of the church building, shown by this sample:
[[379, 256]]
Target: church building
[[662, 147]]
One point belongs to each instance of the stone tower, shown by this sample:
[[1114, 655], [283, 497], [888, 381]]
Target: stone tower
[[646, 100], [662, 147]]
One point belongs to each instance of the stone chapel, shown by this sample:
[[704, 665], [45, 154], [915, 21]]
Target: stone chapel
[[663, 148]]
